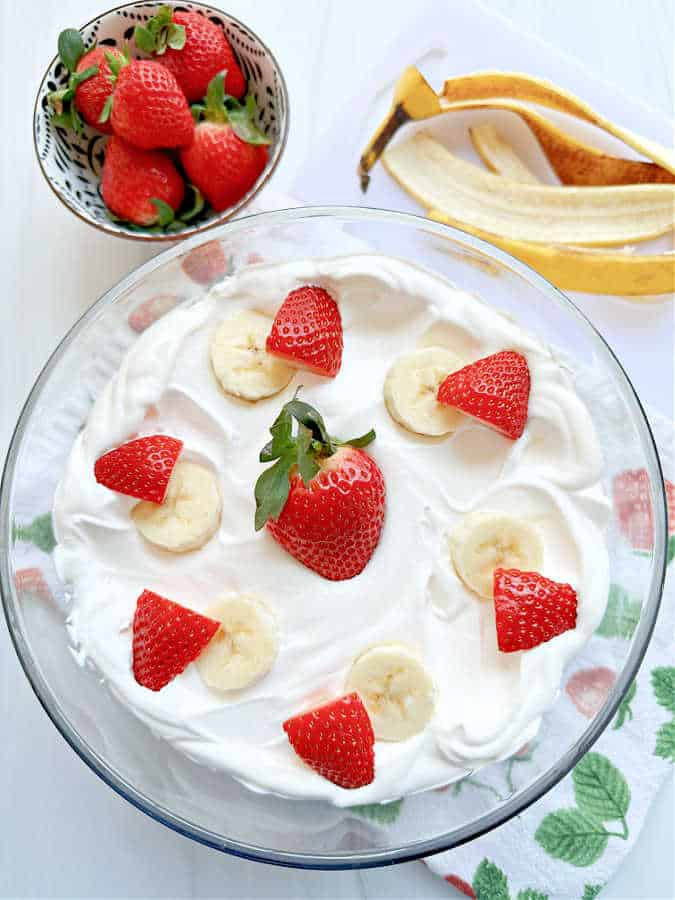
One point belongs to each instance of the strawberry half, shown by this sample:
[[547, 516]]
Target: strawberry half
[[495, 390], [531, 609], [337, 741], [307, 331], [323, 500], [167, 638], [194, 48], [140, 186], [228, 153], [140, 468]]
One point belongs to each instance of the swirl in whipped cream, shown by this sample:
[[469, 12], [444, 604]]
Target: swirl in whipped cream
[[489, 703]]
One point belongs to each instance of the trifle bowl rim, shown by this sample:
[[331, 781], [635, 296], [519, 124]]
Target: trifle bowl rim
[[521, 799]]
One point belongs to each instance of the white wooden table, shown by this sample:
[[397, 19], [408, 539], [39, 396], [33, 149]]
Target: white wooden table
[[63, 833]]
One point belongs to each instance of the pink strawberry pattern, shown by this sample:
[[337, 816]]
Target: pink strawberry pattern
[[588, 689], [30, 584], [149, 311]]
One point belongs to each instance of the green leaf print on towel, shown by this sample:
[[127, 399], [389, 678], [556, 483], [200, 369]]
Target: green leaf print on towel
[[625, 710], [578, 835], [382, 813], [490, 883], [621, 616], [663, 682], [40, 532]]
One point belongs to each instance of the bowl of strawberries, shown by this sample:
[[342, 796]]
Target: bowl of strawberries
[[158, 122]]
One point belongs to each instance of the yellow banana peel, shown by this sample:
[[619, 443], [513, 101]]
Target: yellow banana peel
[[582, 269], [499, 156], [590, 216], [569, 267]]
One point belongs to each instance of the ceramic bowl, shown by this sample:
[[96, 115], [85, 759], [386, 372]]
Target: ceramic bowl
[[72, 164]]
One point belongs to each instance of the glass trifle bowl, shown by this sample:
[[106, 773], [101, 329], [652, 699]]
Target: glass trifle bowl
[[207, 805]]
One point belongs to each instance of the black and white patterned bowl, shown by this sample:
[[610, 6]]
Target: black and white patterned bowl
[[72, 164]]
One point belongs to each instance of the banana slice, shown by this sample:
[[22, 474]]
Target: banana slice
[[484, 541], [396, 689], [245, 646], [189, 515], [410, 391], [239, 359]]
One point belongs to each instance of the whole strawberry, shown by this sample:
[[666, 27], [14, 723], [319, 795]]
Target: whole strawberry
[[89, 84], [531, 609], [307, 331], [337, 741], [495, 390], [138, 185], [193, 48], [140, 468], [228, 153], [323, 500], [147, 107], [167, 637]]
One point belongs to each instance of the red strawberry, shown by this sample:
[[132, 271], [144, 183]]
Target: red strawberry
[[228, 153], [89, 83], [132, 179], [194, 48], [462, 886], [147, 312], [149, 110], [206, 263], [337, 741], [91, 95], [307, 330], [167, 638], [329, 512], [495, 390], [633, 506], [588, 689], [140, 468], [531, 609]]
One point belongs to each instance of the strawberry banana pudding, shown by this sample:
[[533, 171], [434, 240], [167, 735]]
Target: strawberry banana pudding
[[335, 529]]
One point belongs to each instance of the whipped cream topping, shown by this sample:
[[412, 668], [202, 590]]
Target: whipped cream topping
[[488, 703]]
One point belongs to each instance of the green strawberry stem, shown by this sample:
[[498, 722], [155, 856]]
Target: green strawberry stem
[[115, 64], [159, 33], [302, 450], [221, 107], [71, 50]]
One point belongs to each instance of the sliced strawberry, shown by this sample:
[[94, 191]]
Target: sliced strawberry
[[167, 638], [140, 468], [531, 609], [495, 390], [307, 331], [337, 741]]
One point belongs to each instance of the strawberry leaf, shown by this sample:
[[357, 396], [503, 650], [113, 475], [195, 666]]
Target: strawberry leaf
[[242, 120], [271, 490], [362, 441], [198, 204], [309, 417], [164, 210], [107, 109], [308, 468], [175, 36], [145, 40], [71, 48]]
